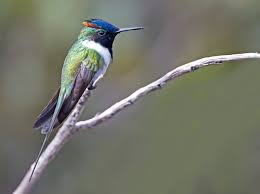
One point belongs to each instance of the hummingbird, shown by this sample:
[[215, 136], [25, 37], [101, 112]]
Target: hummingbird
[[85, 64]]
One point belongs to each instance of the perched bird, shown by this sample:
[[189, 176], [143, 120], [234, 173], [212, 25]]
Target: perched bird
[[85, 64]]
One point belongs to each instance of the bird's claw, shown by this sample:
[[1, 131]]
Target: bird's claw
[[92, 87]]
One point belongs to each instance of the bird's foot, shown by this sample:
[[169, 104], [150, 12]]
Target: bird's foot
[[92, 87]]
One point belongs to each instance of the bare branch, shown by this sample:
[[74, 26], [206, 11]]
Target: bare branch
[[63, 135], [71, 126]]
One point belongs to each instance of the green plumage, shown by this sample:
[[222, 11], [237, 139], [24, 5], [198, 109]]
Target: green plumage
[[79, 68], [79, 58], [80, 71], [77, 54]]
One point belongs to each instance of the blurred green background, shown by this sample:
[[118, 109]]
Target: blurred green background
[[199, 135]]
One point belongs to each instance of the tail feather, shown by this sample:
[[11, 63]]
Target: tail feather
[[40, 153], [49, 124], [61, 105], [45, 116]]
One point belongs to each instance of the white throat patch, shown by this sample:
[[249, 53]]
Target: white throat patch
[[103, 51], [105, 54]]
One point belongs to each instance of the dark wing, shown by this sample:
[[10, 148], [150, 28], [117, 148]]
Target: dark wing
[[82, 81], [48, 111], [86, 71]]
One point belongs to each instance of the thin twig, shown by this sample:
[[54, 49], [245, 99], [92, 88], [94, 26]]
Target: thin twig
[[53, 148], [71, 126]]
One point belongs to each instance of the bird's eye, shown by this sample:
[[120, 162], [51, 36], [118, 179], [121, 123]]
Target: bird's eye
[[101, 33]]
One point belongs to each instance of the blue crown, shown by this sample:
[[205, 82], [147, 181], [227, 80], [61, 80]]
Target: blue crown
[[99, 23]]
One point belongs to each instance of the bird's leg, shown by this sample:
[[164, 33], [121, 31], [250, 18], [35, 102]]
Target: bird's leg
[[92, 86]]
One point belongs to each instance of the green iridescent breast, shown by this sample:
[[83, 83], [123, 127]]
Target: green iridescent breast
[[77, 55]]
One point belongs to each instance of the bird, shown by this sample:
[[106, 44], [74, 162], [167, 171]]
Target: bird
[[85, 64]]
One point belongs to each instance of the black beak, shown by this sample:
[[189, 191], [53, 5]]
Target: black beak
[[128, 29]]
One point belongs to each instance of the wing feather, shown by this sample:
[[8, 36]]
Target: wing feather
[[77, 74], [85, 72], [48, 111]]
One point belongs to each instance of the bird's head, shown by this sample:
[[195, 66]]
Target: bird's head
[[102, 32]]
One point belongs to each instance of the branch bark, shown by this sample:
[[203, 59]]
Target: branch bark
[[71, 126]]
